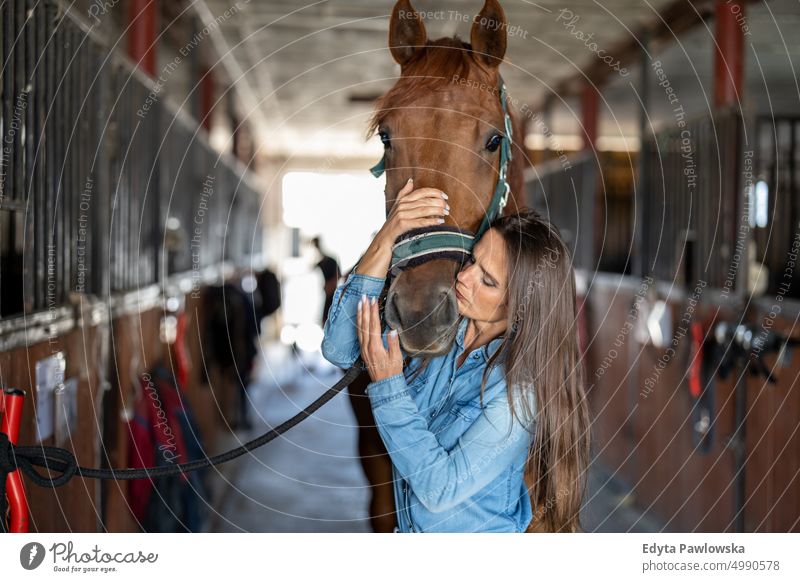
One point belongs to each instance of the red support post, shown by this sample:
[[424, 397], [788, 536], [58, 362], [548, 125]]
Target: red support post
[[142, 21], [729, 51], [207, 90], [11, 402], [589, 107]]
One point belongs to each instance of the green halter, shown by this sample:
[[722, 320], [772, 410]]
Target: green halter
[[420, 245]]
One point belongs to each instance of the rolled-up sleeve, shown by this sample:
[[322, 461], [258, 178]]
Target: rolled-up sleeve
[[340, 344], [442, 479]]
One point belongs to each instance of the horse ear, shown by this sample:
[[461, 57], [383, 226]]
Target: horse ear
[[407, 34], [489, 32]]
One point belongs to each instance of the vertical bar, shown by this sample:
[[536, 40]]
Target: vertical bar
[[728, 52], [642, 189], [6, 80], [142, 19], [589, 111], [19, 87], [156, 219], [125, 194], [207, 90], [68, 86], [33, 142], [48, 210], [60, 223]]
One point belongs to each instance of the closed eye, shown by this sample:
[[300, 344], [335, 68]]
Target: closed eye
[[484, 280]]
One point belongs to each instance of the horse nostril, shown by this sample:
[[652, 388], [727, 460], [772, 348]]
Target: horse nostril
[[448, 306], [452, 306], [391, 311]]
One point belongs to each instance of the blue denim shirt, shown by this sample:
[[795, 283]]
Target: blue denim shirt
[[457, 466]]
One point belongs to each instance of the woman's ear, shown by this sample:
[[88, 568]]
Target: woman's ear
[[489, 34]]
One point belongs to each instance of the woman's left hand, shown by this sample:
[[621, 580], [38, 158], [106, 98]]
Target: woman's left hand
[[381, 363]]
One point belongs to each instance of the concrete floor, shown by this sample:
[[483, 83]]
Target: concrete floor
[[310, 479]]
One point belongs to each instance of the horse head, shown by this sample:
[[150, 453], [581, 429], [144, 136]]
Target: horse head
[[443, 123]]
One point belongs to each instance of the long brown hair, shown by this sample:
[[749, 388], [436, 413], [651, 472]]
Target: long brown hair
[[541, 340]]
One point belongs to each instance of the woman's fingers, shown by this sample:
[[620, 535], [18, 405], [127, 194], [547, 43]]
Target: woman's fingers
[[432, 207], [360, 325], [423, 214], [416, 218], [394, 346], [407, 187], [374, 326], [365, 329], [421, 193], [422, 207]]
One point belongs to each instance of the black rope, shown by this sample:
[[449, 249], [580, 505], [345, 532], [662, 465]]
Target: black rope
[[62, 461]]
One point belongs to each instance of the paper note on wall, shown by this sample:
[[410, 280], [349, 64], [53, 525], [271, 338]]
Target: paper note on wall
[[66, 411], [49, 376]]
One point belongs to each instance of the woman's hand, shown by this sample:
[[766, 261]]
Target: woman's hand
[[381, 363], [415, 209], [412, 209]]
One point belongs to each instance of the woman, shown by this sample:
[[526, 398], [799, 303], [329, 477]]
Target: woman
[[462, 442]]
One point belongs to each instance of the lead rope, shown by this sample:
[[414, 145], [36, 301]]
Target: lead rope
[[62, 461]]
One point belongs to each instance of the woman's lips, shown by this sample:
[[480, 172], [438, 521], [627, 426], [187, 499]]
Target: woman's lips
[[459, 295]]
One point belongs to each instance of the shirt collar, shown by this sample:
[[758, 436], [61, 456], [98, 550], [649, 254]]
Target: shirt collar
[[487, 350]]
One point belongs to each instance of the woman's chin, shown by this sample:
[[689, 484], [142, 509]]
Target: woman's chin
[[462, 306]]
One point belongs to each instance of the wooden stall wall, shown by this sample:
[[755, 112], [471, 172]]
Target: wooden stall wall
[[772, 430], [75, 507], [646, 429], [106, 213], [136, 347], [687, 487], [610, 364]]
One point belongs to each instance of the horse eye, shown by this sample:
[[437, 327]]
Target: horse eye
[[385, 139], [494, 142]]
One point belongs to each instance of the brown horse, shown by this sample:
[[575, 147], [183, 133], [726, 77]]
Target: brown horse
[[439, 125]]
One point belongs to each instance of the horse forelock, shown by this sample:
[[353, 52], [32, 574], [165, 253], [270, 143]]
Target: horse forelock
[[432, 69]]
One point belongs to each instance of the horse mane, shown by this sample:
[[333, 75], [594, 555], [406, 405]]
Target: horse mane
[[433, 69]]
